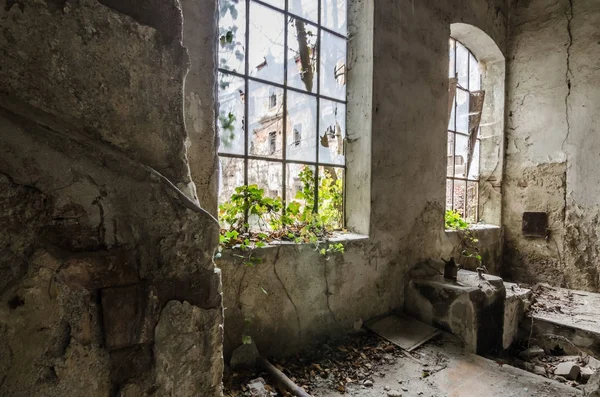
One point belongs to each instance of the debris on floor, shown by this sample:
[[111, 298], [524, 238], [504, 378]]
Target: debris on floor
[[560, 337], [365, 365]]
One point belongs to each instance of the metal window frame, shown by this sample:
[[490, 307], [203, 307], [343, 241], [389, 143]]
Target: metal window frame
[[248, 78], [453, 178]]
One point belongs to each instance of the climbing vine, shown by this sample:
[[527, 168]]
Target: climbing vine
[[469, 243]]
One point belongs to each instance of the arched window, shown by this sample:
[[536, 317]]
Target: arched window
[[466, 99]]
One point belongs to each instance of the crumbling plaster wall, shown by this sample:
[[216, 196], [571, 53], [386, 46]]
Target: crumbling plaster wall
[[553, 141], [107, 285], [309, 298]]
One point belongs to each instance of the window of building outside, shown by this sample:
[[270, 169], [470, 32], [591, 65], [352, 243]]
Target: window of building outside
[[462, 172], [282, 97]]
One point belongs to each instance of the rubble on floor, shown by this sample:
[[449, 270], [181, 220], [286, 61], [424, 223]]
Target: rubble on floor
[[366, 365], [565, 318], [560, 336], [354, 360]]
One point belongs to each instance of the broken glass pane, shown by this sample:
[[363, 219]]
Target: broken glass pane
[[461, 148], [462, 65], [333, 15], [301, 127], [460, 191], [302, 55], [231, 175], [452, 68], [266, 52], [267, 175], [462, 111], [474, 74], [308, 9], [450, 162], [331, 197], [230, 123], [474, 169], [232, 35], [333, 66], [300, 185], [332, 132], [265, 115]]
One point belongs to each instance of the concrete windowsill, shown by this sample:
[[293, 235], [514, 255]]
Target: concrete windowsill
[[477, 226], [338, 237]]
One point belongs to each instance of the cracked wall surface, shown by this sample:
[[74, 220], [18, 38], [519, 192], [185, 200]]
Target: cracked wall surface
[[107, 285], [308, 298], [552, 141]]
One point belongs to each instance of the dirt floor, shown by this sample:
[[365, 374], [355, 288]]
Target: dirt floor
[[366, 365]]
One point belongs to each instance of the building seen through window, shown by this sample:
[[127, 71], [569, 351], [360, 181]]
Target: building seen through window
[[282, 95]]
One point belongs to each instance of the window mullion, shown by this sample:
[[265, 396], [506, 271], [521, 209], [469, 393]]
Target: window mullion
[[285, 107], [318, 115], [246, 98]]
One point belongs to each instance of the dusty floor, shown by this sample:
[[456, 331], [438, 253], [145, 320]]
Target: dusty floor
[[439, 368], [571, 308]]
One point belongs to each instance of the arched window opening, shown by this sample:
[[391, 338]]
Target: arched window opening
[[466, 98]]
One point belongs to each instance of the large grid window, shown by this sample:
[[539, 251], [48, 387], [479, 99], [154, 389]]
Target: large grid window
[[466, 102], [282, 95]]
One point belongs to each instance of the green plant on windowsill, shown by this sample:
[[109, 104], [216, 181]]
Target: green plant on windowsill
[[469, 243], [296, 222]]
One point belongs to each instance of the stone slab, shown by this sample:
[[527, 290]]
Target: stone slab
[[403, 331]]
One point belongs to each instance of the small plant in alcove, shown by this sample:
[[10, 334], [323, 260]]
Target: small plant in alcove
[[251, 220], [469, 243]]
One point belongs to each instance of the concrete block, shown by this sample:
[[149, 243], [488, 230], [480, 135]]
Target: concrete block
[[568, 370]]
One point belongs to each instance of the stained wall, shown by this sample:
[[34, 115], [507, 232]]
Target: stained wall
[[107, 287], [552, 148]]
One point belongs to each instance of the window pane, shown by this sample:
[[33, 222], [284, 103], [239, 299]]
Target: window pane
[[231, 114], [450, 163], [266, 50], [331, 199], [452, 122], [266, 175], [231, 175], [332, 132], [276, 3], [449, 196], [460, 155], [462, 111], [460, 190], [300, 185], [451, 68], [265, 113], [333, 15], [462, 65], [474, 170], [232, 35], [302, 61], [308, 9], [333, 66], [301, 127], [474, 74], [472, 196]]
